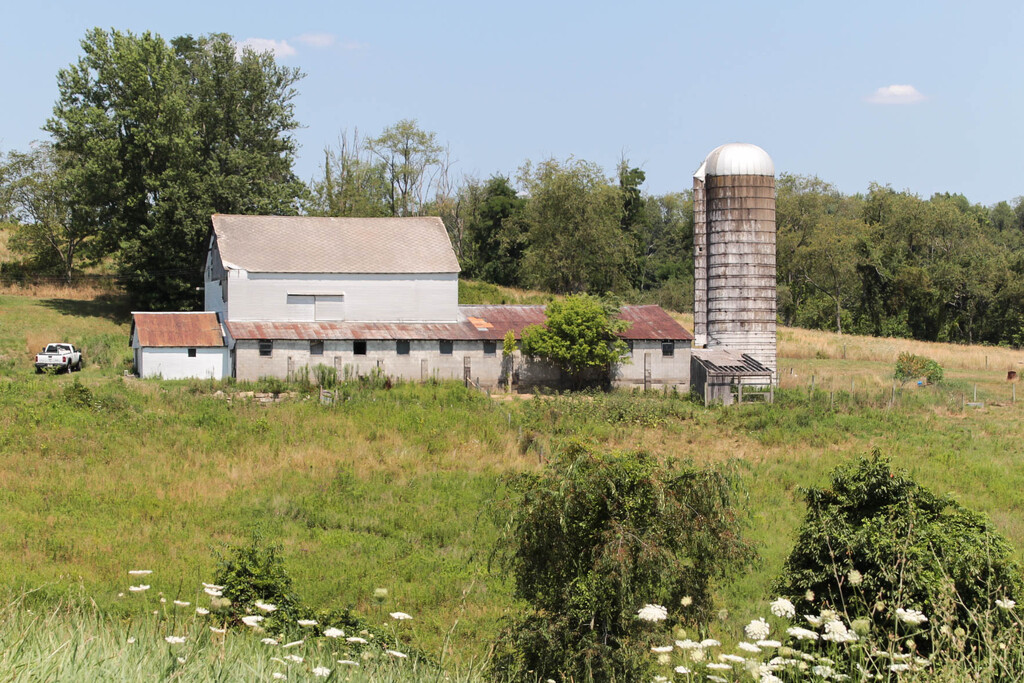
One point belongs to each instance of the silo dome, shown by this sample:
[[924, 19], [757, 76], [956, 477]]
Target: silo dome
[[736, 158]]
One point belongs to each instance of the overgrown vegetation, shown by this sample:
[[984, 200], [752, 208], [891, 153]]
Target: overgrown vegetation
[[910, 367], [594, 537]]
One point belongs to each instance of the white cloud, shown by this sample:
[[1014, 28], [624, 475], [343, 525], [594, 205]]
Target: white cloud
[[896, 94], [280, 48], [317, 39]]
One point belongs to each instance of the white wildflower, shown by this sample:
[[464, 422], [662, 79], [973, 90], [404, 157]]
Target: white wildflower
[[265, 606], [1006, 603], [769, 643], [686, 601], [717, 679], [139, 572], [306, 622], [809, 596], [181, 660], [321, 672], [709, 642], [899, 667], [396, 653], [921, 661], [768, 677], [653, 613], [854, 577], [813, 620], [252, 620], [400, 616], [758, 629], [837, 632], [175, 640], [783, 608], [911, 616], [657, 679], [664, 659], [334, 632], [735, 659], [347, 662], [131, 640], [139, 588], [697, 654], [661, 648], [682, 670], [823, 671], [294, 658], [163, 600], [213, 592], [356, 639], [269, 641], [278, 676], [801, 633], [202, 611], [687, 644], [182, 603], [294, 643], [212, 585], [218, 630], [748, 647], [720, 666]]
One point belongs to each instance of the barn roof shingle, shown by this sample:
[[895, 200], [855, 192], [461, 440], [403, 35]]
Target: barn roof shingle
[[309, 244]]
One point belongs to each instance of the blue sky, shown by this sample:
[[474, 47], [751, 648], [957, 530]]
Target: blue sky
[[922, 96]]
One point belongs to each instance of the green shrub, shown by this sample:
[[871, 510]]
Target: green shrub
[[326, 376], [77, 394], [255, 572], [910, 367], [592, 539], [905, 547]]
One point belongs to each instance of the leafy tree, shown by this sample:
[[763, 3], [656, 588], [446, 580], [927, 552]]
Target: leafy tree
[[910, 548], [574, 238], [40, 200], [156, 136], [353, 184], [496, 232], [407, 154], [593, 538], [580, 336]]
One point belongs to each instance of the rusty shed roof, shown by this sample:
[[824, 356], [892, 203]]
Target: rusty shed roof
[[475, 323], [177, 329]]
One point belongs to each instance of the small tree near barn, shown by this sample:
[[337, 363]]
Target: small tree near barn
[[579, 336]]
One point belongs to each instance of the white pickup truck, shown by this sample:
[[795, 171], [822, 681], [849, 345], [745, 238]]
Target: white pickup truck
[[59, 357]]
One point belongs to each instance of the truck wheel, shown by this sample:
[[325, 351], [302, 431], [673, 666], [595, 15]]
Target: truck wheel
[[39, 371]]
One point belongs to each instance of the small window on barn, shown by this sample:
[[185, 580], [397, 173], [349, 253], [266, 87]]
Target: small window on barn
[[668, 348], [191, 353], [316, 348], [402, 347], [629, 345], [359, 348], [446, 346], [266, 347], [490, 348]]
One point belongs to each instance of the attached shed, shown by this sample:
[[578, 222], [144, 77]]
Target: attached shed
[[179, 346], [718, 375]]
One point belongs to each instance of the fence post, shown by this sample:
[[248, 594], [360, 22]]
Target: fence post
[[976, 391]]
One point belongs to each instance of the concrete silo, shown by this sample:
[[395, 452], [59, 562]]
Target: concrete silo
[[734, 253]]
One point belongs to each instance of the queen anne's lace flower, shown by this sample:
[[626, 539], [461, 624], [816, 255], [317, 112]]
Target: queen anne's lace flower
[[661, 648], [801, 633], [1006, 603], [400, 616], [720, 666], [357, 640], [911, 616], [783, 608], [709, 642], [347, 662], [269, 641], [687, 644], [758, 629], [175, 640], [333, 632], [748, 647], [252, 620], [138, 589], [735, 659], [306, 622], [396, 653], [202, 611], [139, 572], [768, 643], [653, 613], [321, 672], [265, 606]]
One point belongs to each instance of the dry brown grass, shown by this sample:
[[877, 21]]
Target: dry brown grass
[[51, 290]]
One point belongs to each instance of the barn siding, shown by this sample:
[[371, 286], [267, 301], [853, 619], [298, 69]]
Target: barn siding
[[429, 297], [174, 363]]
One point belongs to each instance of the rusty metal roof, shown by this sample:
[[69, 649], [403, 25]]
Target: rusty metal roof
[[177, 329], [476, 323], [310, 244], [725, 362]]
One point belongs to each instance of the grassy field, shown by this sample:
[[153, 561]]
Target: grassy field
[[395, 488]]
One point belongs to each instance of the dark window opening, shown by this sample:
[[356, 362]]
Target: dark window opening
[[490, 348], [266, 347], [191, 353], [359, 348], [668, 348], [629, 345], [316, 348], [402, 347], [446, 347]]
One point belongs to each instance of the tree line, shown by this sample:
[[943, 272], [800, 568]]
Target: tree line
[[150, 137]]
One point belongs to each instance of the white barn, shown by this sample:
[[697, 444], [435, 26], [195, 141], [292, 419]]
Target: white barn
[[179, 346], [363, 295]]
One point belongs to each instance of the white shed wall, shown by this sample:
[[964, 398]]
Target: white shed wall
[[429, 297], [174, 363]]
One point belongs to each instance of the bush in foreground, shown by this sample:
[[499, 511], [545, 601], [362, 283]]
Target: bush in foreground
[[595, 537]]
